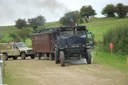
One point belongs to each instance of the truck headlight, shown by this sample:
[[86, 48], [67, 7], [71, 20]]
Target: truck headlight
[[29, 51]]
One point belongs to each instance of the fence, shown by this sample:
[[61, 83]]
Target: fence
[[1, 70]]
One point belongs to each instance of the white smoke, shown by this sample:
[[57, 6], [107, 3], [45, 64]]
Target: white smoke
[[10, 10]]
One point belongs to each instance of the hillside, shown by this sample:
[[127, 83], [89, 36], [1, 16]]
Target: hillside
[[96, 25]]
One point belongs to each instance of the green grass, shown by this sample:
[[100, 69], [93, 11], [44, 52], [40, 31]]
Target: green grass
[[101, 25], [115, 60]]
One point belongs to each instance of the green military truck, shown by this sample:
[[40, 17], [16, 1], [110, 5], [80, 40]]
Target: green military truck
[[15, 50]]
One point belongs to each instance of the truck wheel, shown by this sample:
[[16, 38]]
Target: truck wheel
[[23, 56], [5, 57], [39, 55], [51, 57], [57, 56], [62, 58], [14, 57], [32, 57], [88, 57]]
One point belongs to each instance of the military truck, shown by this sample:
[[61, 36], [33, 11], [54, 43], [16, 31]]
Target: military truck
[[15, 50], [64, 43]]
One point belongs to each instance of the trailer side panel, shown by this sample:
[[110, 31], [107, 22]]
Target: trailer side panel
[[42, 43]]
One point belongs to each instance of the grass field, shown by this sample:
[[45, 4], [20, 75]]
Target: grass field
[[98, 26]]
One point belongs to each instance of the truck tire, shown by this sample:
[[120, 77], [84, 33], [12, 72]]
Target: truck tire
[[14, 57], [5, 57], [62, 58], [88, 57], [32, 56], [57, 56], [23, 56]]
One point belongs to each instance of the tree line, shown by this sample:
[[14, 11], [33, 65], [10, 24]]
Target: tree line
[[76, 17], [86, 12], [112, 10], [32, 22]]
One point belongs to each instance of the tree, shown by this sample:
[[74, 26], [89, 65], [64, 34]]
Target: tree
[[109, 10], [87, 11], [15, 36], [20, 23], [76, 16], [63, 20], [70, 18], [121, 10], [37, 21], [126, 7], [20, 34]]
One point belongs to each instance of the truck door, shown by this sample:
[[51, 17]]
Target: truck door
[[90, 39], [16, 50]]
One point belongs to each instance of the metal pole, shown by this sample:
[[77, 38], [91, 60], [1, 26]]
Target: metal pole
[[1, 70]]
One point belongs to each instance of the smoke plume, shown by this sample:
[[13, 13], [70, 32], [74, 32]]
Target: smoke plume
[[14, 9]]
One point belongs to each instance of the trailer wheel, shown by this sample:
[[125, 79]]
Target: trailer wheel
[[14, 57], [32, 56], [57, 56], [23, 56], [88, 57], [39, 55], [62, 58]]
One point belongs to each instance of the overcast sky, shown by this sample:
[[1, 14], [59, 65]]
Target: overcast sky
[[11, 10]]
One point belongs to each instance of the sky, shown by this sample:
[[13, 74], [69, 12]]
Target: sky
[[52, 10]]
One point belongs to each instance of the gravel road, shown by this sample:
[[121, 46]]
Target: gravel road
[[45, 72]]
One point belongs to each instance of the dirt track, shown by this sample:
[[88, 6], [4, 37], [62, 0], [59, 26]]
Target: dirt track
[[44, 72]]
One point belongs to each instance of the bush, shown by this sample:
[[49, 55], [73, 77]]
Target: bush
[[119, 37], [21, 34]]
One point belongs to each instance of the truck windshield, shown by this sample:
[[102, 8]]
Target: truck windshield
[[66, 33], [81, 33], [70, 33], [21, 45]]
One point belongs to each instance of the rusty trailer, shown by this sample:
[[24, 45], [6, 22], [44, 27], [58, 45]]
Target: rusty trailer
[[43, 43]]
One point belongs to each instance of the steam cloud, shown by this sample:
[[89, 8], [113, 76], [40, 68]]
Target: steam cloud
[[13, 9]]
